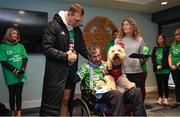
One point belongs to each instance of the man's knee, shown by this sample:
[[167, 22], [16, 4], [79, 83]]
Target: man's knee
[[135, 90], [135, 93], [117, 93]]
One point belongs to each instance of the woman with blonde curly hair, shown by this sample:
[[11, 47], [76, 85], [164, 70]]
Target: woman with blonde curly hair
[[133, 41]]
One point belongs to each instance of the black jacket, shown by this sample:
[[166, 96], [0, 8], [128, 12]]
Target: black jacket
[[165, 64], [55, 45]]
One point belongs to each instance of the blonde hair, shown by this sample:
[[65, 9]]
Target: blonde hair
[[175, 41], [135, 31], [9, 32]]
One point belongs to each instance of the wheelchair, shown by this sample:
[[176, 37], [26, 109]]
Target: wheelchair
[[88, 105]]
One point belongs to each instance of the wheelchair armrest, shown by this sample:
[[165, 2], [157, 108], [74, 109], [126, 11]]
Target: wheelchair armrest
[[87, 94]]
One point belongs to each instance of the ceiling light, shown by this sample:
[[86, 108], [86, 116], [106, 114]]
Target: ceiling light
[[21, 12], [164, 3], [18, 20], [140, 2]]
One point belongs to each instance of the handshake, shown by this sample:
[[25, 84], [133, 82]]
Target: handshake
[[72, 56]]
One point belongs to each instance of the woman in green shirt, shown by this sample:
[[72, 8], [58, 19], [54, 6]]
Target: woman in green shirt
[[174, 63], [161, 68], [13, 58]]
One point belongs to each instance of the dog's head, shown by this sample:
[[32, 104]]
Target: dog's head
[[116, 56]]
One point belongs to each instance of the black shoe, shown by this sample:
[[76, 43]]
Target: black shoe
[[174, 106], [148, 106]]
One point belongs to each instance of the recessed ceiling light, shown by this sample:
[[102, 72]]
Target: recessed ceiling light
[[18, 20], [140, 2], [164, 3], [22, 12]]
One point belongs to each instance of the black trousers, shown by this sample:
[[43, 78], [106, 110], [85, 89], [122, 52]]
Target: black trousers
[[143, 84], [136, 78], [176, 79], [117, 101], [162, 84], [15, 96]]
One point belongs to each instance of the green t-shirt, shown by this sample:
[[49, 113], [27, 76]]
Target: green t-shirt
[[175, 52], [159, 56], [90, 73], [109, 45], [13, 54], [145, 51]]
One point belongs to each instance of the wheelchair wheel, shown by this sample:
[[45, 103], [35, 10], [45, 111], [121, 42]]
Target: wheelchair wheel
[[79, 108]]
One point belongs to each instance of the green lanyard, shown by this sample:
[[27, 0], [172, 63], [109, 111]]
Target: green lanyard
[[71, 41]]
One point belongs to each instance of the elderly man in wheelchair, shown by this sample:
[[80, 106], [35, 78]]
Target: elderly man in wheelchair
[[92, 72]]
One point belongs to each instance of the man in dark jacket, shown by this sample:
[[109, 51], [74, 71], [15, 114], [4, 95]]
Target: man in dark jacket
[[62, 41]]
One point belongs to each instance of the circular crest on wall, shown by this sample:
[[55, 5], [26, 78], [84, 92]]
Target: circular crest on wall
[[98, 31]]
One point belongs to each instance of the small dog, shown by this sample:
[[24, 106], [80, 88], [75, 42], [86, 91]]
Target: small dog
[[113, 70]]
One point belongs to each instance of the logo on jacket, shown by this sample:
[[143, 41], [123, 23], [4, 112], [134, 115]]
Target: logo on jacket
[[62, 33]]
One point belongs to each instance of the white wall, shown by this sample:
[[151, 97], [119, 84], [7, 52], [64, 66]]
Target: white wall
[[33, 88]]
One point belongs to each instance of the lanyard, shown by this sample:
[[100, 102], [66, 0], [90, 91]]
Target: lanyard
[[71, 41]]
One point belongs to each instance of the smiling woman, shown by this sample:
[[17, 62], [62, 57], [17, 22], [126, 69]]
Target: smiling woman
[[30, 23]]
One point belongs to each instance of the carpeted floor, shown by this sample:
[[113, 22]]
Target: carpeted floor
[[152, 108], [164, 111], [31, 111], [161, 110]]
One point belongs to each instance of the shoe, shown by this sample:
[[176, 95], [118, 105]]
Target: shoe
[[160, 101], [148, 106], [166, 102], [174, 106]]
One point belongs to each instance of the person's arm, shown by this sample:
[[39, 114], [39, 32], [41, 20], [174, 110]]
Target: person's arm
[[173, 67], [9, 66], [165, 64], [77, 79], [23, 67], [49, 41], [153, 56], [141, 51]]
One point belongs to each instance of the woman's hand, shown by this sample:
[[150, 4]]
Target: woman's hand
[[173, 67], [159, 67]]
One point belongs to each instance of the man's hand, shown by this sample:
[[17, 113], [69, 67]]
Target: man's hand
[[72, 57]]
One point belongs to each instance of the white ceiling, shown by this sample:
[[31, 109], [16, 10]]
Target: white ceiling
[[145, 6]]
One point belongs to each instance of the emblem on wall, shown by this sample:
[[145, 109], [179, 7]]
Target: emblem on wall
[[98, 31]]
